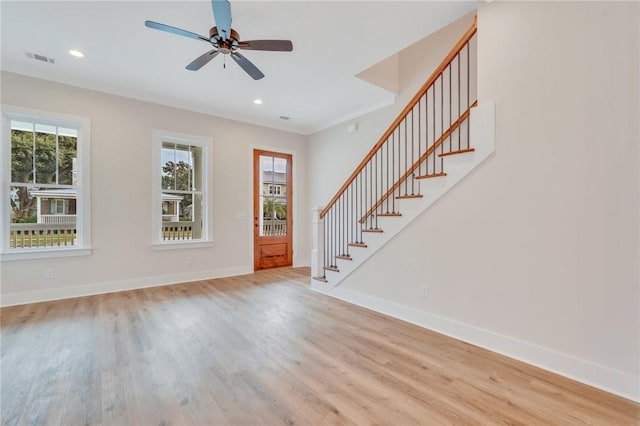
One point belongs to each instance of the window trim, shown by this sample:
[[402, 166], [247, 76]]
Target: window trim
[[159, 136], [83, 200]]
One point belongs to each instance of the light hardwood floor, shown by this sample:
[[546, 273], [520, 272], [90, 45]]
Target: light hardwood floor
[[264, 349]]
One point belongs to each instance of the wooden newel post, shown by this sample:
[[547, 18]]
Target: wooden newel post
[[317, 248]]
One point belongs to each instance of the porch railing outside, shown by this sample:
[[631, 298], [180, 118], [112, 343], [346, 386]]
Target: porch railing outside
[[175, 231], [274, 227], [32, 235], [58, 219]]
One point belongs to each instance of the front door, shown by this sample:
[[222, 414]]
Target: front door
[[272, 210]]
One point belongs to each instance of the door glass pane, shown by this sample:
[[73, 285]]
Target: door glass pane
[[273, 196]]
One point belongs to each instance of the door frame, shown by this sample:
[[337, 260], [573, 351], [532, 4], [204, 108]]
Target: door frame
[[291, 201]]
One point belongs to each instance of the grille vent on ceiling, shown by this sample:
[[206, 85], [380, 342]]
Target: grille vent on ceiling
[[284, 117], [41, 58]]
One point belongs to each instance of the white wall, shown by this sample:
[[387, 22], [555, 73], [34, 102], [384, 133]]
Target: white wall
[[536, 254], [121, 201]]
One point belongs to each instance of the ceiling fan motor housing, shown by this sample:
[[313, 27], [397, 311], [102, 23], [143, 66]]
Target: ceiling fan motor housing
[[225, 46]]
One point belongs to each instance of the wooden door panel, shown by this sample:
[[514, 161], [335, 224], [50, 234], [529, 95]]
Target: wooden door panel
[[274, 255]]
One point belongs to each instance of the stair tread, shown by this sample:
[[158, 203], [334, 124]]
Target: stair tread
[[388, 214], [322, 279], [331, 268], [344, 257], [460, 151], [362, 245], [434, 175], [372, 230], [401, 197]]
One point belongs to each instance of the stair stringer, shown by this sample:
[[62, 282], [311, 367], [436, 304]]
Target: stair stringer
[[457, 167]]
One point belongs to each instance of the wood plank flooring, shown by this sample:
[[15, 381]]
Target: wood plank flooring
[[264, 349]]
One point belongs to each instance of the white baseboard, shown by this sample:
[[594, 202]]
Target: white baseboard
[[587, 372], [21, 298]]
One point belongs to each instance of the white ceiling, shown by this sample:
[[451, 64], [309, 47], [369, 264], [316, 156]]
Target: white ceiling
[[316, 84]]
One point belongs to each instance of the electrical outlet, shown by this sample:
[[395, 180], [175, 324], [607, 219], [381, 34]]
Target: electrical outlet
[[424, 291], [187, 260], [49, 274]]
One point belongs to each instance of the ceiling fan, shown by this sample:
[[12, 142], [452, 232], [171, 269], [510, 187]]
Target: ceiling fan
[[225, 40]]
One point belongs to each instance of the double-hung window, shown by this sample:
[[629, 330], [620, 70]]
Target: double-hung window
[[180, 213], [45, 175]]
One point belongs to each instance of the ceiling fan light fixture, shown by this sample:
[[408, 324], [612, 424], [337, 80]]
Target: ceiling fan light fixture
[[257, 101], [76, 53]]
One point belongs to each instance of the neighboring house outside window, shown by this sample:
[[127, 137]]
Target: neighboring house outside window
[[45, 162], [275, 190], [180, 213]]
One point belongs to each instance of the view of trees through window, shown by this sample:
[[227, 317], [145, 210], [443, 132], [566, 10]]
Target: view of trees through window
[[181, 177], [43, 188], [42, 156]]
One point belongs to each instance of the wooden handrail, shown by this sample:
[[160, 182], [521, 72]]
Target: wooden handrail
[[420, 160], [412, 103]]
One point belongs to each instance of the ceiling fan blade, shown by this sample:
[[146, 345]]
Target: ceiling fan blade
[[222, 16], [202, 60], [246, 65], [272, 45], [174, 30]]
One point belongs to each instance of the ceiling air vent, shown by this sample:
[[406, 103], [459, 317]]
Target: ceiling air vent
[[284, 117], [41, 58]]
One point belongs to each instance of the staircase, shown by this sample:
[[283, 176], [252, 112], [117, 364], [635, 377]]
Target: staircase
[[438, 138]]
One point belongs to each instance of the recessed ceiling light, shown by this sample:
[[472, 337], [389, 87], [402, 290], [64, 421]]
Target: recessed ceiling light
[[257, 101], [76, 53]]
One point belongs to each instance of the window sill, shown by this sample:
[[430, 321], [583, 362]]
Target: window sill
[[30, 254], [180, 245]]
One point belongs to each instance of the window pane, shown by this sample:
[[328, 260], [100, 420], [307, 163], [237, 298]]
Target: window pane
[[280, 166], [67, 132], [181, 216], [67, 154], [266, 164], [180, 167], [167, 157], [21, 156], [23, 205], [196, 168], [171, 205], [22, 125], [44, 128], [45, 157], [53, 226], [183, 171]]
